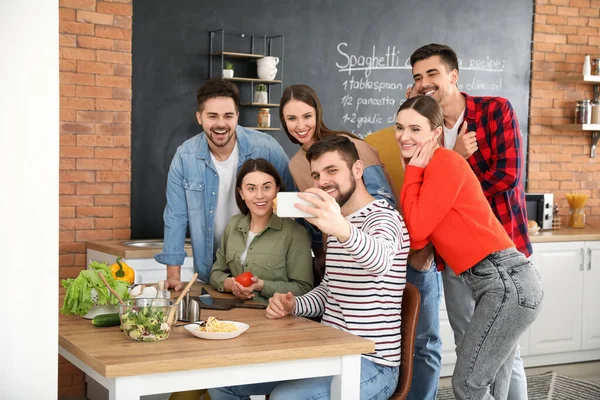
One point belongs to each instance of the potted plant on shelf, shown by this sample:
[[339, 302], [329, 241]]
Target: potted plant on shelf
[[260, 94], [228, 70]]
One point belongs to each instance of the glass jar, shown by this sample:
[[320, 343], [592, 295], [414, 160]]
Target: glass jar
[[595, 119], [576, 218], [583, 112], [264, 118]]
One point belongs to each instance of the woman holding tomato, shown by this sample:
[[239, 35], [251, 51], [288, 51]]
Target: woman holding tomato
[[261, 254]]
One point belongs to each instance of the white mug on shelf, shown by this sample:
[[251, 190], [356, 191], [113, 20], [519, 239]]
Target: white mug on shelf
[[266, 67], [268, 60], [266, 73]]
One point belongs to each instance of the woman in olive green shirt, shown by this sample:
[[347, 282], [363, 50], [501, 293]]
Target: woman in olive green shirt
[[277, 251]]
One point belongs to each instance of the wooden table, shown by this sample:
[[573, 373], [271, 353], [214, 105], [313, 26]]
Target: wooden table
[[271, 350]]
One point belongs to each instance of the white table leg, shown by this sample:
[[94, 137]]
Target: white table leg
[[124, 388], [346, 386]]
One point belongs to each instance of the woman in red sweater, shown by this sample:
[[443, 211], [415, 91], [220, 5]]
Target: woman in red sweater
[[443, 204]]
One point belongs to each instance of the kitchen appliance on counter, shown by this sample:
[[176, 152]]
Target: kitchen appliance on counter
[[539, 208]]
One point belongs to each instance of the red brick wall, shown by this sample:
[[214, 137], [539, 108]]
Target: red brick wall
[[559, 161], [95, 137]]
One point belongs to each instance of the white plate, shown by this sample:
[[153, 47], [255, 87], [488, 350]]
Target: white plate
[[241, 328]]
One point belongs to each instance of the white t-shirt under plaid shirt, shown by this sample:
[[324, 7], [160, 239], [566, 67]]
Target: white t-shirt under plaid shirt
[[365, 277]]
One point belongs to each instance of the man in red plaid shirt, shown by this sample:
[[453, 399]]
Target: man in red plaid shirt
[[485, 131]]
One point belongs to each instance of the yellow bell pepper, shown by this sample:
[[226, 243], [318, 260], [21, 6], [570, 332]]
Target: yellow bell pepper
[[122, 272]]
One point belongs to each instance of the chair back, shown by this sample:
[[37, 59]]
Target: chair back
[[411, 304]]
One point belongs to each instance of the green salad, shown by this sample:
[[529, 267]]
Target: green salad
[[146, 324]]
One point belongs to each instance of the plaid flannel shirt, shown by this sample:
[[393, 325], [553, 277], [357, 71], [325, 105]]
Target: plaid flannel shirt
[[498, 163]]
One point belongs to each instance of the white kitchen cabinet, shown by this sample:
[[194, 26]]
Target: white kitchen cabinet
[[591, 297], [568, 327], [558, 326]]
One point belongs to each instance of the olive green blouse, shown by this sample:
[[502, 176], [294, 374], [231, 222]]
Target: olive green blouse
[[280, 255]]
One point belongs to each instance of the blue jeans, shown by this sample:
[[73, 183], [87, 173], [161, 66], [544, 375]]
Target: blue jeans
[[428, 344], [377, 382], [508, 292], [460, 305]]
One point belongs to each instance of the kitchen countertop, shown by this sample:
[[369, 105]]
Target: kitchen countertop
[[117, 248], [565, 235]]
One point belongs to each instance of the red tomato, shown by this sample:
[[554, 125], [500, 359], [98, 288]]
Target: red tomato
[[244, 279]]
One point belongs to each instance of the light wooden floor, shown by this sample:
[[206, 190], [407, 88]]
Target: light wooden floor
[[588, 371]]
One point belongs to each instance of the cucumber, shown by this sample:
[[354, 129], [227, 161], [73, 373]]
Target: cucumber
[[106, 320]]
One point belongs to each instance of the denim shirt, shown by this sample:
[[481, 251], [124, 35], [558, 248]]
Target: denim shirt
[[192, 193]]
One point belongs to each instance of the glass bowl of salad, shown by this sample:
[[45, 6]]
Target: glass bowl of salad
[[146, 320]]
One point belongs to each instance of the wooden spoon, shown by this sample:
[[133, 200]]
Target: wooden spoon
[[111, 289], [181, 296]]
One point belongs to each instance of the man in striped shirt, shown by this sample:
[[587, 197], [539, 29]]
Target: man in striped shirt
[[365, 274]]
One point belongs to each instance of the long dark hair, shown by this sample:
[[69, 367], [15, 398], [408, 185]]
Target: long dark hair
[[307, 95], [252, 165], [428, 107]]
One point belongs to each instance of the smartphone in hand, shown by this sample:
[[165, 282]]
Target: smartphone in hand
[[285, 205]]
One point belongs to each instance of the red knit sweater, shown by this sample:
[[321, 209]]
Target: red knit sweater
[[443, 203]]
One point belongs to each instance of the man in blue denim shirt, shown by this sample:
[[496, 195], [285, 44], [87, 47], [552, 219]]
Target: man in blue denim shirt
[[201, 181]]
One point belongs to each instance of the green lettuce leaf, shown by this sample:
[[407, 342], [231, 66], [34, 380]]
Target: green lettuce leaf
[[78, 299]]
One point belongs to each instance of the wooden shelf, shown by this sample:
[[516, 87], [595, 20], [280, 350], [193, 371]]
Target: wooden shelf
[[252, 80], [262, 129], [237, 55], [259, 105], [577, 127], [589, 79]]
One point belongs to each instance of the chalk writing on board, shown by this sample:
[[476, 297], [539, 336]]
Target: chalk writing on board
[[372, 91]]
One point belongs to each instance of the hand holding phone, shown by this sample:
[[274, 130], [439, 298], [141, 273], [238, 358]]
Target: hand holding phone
[[329, 218], [285, 205]]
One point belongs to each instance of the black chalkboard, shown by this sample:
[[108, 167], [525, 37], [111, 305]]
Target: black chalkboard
[[170, 62]]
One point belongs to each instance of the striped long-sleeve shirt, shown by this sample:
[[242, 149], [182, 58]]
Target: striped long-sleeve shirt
[[364, 281]]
